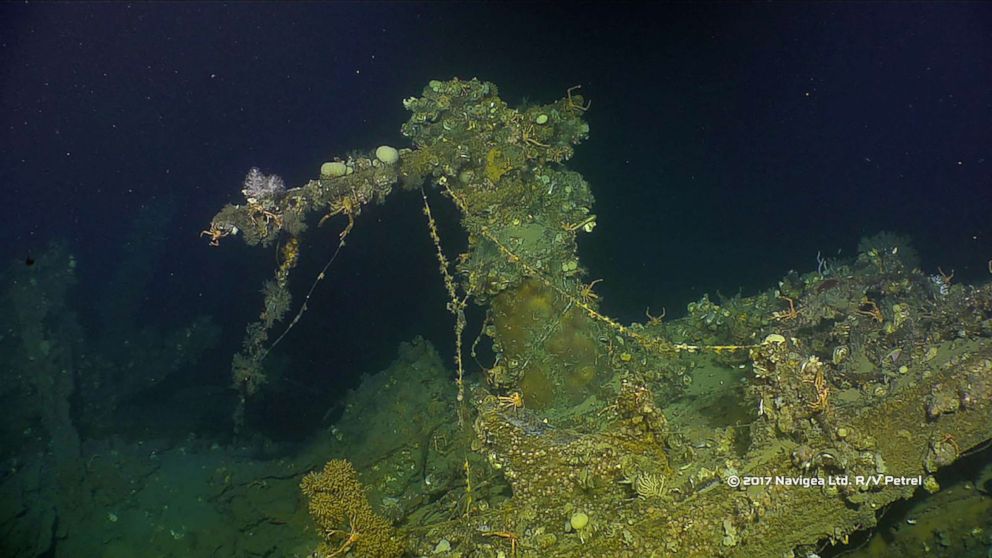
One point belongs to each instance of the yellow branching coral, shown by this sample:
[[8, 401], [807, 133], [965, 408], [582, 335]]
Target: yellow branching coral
[[290, 254], [497, 164], [344, 517]]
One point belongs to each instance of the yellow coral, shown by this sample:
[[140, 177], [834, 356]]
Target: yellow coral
[[290, 255], [497, 164], [290, 252], [344, 517]]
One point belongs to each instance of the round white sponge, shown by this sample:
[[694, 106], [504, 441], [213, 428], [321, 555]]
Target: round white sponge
[[386, 154]]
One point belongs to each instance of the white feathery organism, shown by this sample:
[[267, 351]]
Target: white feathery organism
[[259, 186]]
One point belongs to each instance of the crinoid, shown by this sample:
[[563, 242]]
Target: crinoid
[[646, 485]]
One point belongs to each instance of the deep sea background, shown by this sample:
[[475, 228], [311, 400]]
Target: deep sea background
[[729, 144]]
